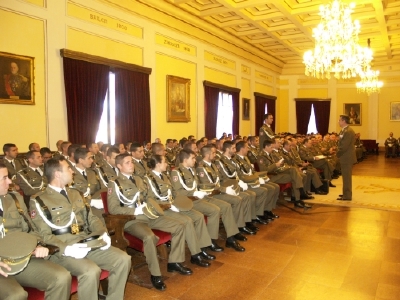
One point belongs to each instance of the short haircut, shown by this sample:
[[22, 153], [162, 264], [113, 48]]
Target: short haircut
[[30, 147], [285, 142], [89, 145], [31, 153], [128, 144], [65, 143], [226, 145], [120, 157], [198, 143], [104, 147], [154, 160], [80, 153], [7, 147], [190, 137], [306, 140], [252, 138], [72, 148], [52, 165], [268, 143], [112, 150], [155, 147], [345, 118], [267, 115], [240, 145], [185, 154], [169, 141], [2, 166], [188, 145], [135, 146], [182, 142], [206, 150], [45, 150]]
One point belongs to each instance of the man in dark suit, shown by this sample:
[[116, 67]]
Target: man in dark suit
[[347, 155]]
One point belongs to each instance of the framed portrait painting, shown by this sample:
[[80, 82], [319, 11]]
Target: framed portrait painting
[[353, 110], [245, 109], [178, 99], [16, 79], [394, 111]]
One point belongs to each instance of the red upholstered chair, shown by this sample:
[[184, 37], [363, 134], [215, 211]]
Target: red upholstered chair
[[34, 294], [285, 187], [122, 240]]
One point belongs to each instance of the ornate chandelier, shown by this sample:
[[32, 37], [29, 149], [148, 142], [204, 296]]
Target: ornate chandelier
[[369, 82], [336, 44]]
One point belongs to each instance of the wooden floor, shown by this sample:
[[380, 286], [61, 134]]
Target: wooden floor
[[326, 253]]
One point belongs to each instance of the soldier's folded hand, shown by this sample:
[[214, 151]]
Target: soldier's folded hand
[[243, 185], [77, 251], [230, 191], [199, 194], [41, 251], [6, 267]]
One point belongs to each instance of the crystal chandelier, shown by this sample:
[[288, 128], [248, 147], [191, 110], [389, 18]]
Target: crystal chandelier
[[369, 82], [336, 44]]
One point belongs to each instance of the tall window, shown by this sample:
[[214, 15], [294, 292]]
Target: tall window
[[106, 132], [225, 114], [266, 108], [312, 125]]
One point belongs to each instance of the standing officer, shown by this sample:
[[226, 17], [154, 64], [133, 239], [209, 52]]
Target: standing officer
[[347, 155], [40, 273], [266, 132], [64, 219]]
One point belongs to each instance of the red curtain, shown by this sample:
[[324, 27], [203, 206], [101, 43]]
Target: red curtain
[[235, 108], [303, 113], [322, 111], [86, 86], [132, 106], [260, 101], [211, 95]]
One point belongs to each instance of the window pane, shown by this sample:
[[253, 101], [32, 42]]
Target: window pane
[[102, 133], [312, 126], [225, 114]]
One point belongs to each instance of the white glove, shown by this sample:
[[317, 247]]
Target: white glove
[[77, 251], [199, 194], [97, 203], [87, 192], [230, 191], [243, 185], [107, 239], [262, 181]]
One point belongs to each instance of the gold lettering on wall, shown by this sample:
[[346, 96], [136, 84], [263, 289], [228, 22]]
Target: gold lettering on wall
[[264, 76], [175, 44], [92, 16], [246, 70], [219, 60]]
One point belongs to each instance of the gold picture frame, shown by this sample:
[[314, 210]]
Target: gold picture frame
[[395, 111], [245, 109], [353, 110], [17, 79], [178, 99]]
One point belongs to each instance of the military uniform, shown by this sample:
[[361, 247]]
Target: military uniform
[[185, 182], [273, 189], [52, 227], [390, 146], [123, 196], [252, 154], [265, 133], [40, 273], [170, 156], [306, 155], [141, 168], [106, 173], [13, 167], [196, 234], [31, 181], [347, 155]]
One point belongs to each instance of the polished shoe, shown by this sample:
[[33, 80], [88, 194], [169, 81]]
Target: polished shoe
[[251, 226], [320, 192], [298, 204], [231, 243], [268, 217], [157, 282], [305, 205], [177, 267], [198, 260], [240, 237], [341, 195], [306, 197], [215, 247], [259, 220], [246, 230], [271, 214], [205, 255], [335, 176], [331, 184], [308, 193], [343, 199]]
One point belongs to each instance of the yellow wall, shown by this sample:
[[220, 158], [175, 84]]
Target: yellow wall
[[264, 89], [386, 96], [220, 77], [282, 110], [167, 65], [23, 124], [313, 93]]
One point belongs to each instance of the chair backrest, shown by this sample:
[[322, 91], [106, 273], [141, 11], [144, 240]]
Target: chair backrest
[[104, 199]]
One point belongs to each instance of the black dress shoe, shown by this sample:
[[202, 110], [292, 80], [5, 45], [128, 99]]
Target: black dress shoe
[[215, 247], [306, 197], [308, 193], [157, 282], [335, 177], [320, 192], [198, 260], [246, 230], [270, 214], [331, 184], [305, 205], [258, 220], [251, 226], [177, 267], [205, 255], [231, 243], [240, 237], [298, 204], [343, 199]]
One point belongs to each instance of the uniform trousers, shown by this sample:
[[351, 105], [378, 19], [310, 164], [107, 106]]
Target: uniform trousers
[[286, 177], [141, 228], [40, 274], [88, 270], [200, 227], [236, 203], [323, 164], [260, 194], [273, 195], [347, 181]]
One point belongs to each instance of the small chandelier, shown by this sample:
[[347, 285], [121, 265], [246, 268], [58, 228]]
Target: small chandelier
[[336, 45], [369, 82]]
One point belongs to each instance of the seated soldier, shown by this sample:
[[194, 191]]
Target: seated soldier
[[40, 273], [12, 163], [137, 153], [107, 170], [34, 146], [64, 219], [390, 146], [46, 154], [127, 195]]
